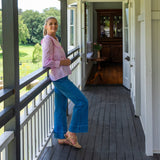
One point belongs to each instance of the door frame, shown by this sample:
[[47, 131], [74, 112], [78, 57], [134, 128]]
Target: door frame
[[126, 83]]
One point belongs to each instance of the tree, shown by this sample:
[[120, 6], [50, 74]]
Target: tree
[[37, 54], [1, 41], [34, 21], [23, 32]]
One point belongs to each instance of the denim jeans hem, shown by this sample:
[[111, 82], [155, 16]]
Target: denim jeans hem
[[59, 135], [78, 129]]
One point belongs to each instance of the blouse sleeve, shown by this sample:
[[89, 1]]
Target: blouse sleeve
[[47, 48]]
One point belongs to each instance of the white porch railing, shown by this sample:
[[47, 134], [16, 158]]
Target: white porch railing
[[5, 139], [37, 124], [36, 113]]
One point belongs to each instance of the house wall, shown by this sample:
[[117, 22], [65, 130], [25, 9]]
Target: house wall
[[156, 73], [142, 66], [102, 5]]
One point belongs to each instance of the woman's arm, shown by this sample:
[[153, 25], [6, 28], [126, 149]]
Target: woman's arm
[[47, 48]]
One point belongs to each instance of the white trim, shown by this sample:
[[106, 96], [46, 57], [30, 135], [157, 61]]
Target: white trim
[[5, 139], [137, 61], [141, 17], [148, 87], [74, 26]]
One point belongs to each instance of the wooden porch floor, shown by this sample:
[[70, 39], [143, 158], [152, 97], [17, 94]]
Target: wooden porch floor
[[114, 132]]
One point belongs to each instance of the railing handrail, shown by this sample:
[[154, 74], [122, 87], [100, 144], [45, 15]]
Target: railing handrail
[[73, 50], [26, 98], [5, 93], [75, 57], [32, 76], [8, 112], [5, 139]]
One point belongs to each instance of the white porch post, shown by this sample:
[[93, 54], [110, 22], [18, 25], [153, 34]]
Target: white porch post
[[64, 25], [137, 61], [148, 60]]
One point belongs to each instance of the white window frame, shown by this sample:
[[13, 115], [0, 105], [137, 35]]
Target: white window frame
[[74, 25]]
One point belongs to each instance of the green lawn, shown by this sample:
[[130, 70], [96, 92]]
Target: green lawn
[[25, 61], [25, 65]]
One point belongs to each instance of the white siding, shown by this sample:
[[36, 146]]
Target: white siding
[[142, 66], [146, 74], [156, 75]]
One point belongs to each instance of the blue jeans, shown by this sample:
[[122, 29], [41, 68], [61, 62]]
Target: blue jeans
[[65, 89]]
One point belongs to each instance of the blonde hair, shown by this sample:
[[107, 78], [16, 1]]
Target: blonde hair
[[44, 29]]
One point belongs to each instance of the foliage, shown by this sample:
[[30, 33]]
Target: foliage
[[23, 32], [34, 21], [37, 54], [1, 30], [97, 46]]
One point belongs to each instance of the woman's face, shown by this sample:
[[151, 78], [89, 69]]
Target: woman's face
[[51, 26]]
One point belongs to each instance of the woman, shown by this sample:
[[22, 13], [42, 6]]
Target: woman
[[54, 58]]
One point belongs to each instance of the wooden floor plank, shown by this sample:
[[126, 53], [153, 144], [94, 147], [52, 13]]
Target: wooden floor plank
[[112, 138], [119, 133], [114, 132]]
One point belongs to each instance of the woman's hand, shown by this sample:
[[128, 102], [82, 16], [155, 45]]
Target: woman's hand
[[65, 62]]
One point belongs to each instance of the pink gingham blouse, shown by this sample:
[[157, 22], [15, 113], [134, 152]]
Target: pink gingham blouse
[[53, 53]]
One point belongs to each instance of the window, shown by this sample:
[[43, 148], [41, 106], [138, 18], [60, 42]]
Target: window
[[71, 28], [126, 28]]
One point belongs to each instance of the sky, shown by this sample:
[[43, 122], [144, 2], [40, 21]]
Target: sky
[[36, 5]]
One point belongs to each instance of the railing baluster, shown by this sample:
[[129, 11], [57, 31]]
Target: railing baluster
[[23, 144], [47, 116], [40, 97], [3, 154], [46, 92], [31, 139], [53, 111], [27, 149], [34, 103], [41, 126], [38, 132], [38, 121], [35, 136], [44, 122], [6, 153]]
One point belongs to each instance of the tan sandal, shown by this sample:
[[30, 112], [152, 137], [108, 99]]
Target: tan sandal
[[64, 141], [73, 140]]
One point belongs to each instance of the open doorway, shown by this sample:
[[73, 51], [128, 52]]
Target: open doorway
[[109, 30]]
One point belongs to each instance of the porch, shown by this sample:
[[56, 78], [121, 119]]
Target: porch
[[114, 132]]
